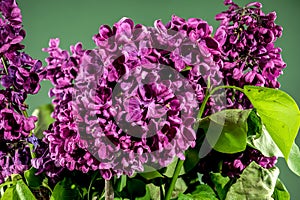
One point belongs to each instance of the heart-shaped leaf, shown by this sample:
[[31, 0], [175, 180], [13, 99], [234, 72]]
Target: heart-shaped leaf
[[226, 131], [279, 113], [254, 183]]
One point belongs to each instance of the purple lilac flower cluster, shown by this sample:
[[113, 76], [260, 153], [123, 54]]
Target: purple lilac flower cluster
[[208, 72], [247, 37], [232, 165], [87, 135], [123, 50], [20, 75], [11, 27], [62, 147], [249, 57], [42, 161]]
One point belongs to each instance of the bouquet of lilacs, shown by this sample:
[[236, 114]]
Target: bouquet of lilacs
[[171, 111]]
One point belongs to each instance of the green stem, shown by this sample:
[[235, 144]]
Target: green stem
[[47, 186], [174, 178], [199, 116], [24, 112], [208, 94], [91, 183], [4, 65]]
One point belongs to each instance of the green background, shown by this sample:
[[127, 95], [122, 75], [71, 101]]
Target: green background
[[74, 20]]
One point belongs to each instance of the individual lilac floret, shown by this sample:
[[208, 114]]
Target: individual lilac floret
[[247, 37], [24, 74], [15, 126]]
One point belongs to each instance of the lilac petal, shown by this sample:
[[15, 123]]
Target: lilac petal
[[220, 35], [255, 4]]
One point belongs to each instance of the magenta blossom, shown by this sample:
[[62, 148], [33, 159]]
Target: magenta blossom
[[20, 75], [133, 102], [247, 37]]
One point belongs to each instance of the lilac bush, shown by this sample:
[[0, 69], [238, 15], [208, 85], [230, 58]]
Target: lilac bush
[[126, 110]]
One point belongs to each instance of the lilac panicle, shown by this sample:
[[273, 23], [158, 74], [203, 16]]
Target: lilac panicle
[[20, 75], [247, 36], [125, 47], [11, 26]]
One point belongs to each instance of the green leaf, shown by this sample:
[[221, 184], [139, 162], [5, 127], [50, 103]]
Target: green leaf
[[66, 190], [226, 131], [254, 124], [202, 192], [180, 187], [121, 183], [265, 144], [33, 180], [294, 159], [6, 183], [44, 115], [254, 183], [10, 194], [268, 147], [220, 183], [136, 188], [185, 197], [278, 112], [154, 191], [23, 191], [280, 192], [192, 156], [151, 173], [15, 177], [19, 191]]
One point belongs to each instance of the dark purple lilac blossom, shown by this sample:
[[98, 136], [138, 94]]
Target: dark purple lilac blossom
[[89, 132], [232, 165], [14, 158], [20, 75], [43, 161], [11, 27], [199, 32], [247, 37], [65, 147]]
